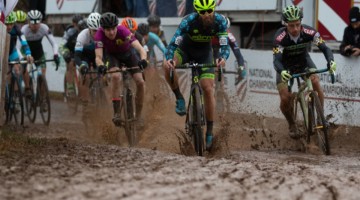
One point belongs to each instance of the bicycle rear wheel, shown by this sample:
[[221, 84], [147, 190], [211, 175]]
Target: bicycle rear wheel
[[320, 126], [196, 126], [30, 103], [44, 100], [129, 117], [16, 108]]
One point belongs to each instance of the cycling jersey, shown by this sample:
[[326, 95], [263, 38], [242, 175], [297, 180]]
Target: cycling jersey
[[121, 43], [161, 35], [69, 39], [15, 44], [292, 53], [152, 41], [85, 48], [234, 47], [118, 50], [191, 33], [34, 40]]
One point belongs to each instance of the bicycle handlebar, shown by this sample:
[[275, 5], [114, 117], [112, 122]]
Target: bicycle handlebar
[[317, 71], [25, 61], [194, 65]]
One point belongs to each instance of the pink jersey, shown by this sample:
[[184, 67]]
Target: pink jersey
[[121, 43]]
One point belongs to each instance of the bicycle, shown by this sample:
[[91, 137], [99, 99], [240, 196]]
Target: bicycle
[[314, 121], [127, 107], [14, 105], [39, 93], [71, 88], [195, 112]]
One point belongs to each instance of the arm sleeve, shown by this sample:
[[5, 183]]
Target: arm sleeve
[[235, 48], [277, 59], [51, 39], [177, 38], [160, 44], [320, 43], [223, 37]]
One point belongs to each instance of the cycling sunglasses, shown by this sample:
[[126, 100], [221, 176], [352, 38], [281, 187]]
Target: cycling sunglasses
[[209, 11]]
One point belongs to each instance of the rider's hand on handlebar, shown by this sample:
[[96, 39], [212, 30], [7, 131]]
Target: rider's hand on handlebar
[[143, 64], [285, 76], [57, 61], [30, 59], [170, 64], [102, 69], [332, 67], [84, 68], [220, 62]]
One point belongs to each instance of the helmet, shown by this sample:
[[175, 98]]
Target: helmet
[[76, 18], [228, 23], [129, 23], [20, 16], [143, 29], [82, 25], [292, 13], [108, 20], [11, 18], [200, 5], [154, 20], [93, 21], [34, 16]]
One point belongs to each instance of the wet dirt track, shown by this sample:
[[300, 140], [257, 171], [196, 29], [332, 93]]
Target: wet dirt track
[[253, 158]]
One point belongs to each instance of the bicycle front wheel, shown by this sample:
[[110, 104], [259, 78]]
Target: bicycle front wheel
[[129, 117], [197, 130], [30, 103], [320, 126], [16, 102], [298, 113], [44, 100]]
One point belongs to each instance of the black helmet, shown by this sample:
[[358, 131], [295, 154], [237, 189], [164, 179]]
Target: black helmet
[[108, 20], [143, 29], [154, 20], [76, 18]]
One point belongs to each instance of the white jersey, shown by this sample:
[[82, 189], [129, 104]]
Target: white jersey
[[34, 40], [84, 48]]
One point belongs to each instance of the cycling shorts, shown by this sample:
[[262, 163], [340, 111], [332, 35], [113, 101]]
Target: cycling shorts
[[130, 59], [203, 56]]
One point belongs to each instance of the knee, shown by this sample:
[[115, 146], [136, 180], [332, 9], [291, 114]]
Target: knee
[[208, 89], [140, 83], [115, 77]]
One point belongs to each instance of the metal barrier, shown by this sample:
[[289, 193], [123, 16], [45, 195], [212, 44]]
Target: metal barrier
[[4, 55]]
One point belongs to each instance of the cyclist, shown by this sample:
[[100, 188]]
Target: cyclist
[[291, 56], [34, 32], [14, 52], [117, 41], [151, 39], [236, 50], [132, 25], [192, 42], [67, 51], [154, 22], [84, 55]]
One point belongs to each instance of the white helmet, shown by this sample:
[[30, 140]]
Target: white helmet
[[34, 16], [93, 21]]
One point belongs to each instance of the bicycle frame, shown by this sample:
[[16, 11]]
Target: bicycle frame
[[195, 114]]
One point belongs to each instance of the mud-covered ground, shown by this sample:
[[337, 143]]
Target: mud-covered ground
[[253, 158]]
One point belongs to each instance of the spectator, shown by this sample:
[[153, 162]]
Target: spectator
[[350, 45], [141, 8], [166, 8]]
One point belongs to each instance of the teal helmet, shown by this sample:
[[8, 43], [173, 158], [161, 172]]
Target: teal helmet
[[292, 13]]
